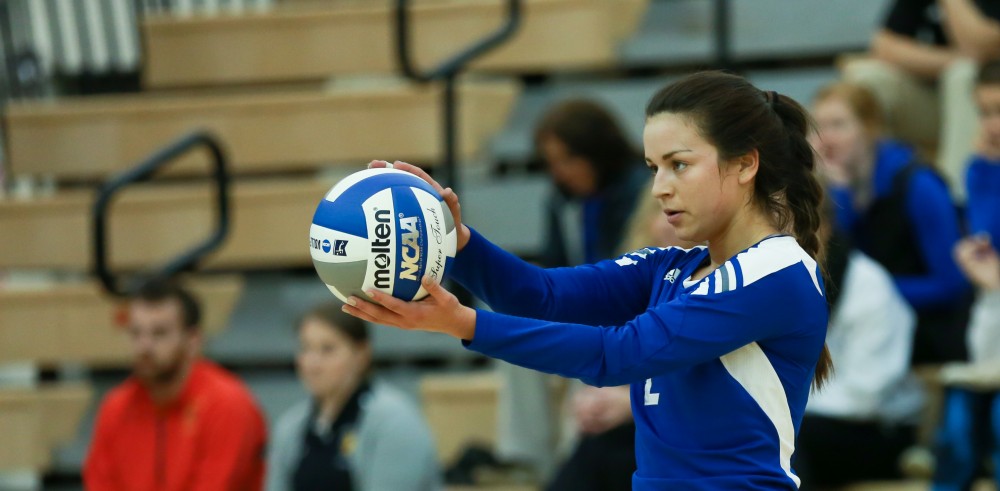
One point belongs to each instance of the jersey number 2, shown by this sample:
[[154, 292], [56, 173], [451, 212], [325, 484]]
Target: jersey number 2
[[651, 398]]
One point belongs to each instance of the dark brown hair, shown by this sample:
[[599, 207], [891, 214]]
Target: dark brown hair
[[589, 131], [160, 290], [329, 313], [737, 118]]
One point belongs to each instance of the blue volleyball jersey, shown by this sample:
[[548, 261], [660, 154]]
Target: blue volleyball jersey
[[720, 369]]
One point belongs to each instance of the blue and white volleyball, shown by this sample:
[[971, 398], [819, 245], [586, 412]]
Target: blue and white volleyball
[[381, 229]]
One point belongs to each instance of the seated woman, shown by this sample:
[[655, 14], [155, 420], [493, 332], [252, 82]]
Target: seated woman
[[898, 212], [352, 434]]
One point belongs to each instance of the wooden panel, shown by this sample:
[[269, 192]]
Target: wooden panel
[[294, 44], [34, 421], [460, 409], [88, 138], [76, 322], [151, 224]]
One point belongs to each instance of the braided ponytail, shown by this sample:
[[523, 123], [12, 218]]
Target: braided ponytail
[[738, 118]]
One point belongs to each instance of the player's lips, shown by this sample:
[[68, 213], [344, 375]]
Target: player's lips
[[672, 215]]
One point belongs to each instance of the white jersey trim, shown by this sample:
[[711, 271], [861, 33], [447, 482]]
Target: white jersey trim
[[752, 369], [773, 255]]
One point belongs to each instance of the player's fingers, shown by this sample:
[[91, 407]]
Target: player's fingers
[[435, 290], [393, 306], [356, 312], [417, 171], [463, 233], [378, 164], [451, 199]]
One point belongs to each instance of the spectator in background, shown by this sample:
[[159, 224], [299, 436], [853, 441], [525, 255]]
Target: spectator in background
[[603, 457], [971, 423], [859, 425], [898, 212], [179, 422], [924, 65], [598, 177], [351, 433]]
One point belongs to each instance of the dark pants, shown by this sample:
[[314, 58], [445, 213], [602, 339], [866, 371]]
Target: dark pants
[[835, 452], [970, 429], [603, 462]]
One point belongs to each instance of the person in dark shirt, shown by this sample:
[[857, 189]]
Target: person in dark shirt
[[925, 58], [597, 180]]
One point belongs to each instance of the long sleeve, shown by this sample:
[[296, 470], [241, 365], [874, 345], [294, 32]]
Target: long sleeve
[[683, 332], [606, 293], [936, 227]]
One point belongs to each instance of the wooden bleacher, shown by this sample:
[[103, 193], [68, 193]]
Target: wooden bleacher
[[261, 82], [460, 409], [34, 421], [152, 223], [88, 138], [76, 322], [357, 37]]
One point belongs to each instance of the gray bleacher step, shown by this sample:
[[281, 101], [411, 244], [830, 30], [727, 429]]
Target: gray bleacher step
[[508, 211], [627, 99], [262, 328], [673, 32], [677, 32], [783, 29], [799, 84]]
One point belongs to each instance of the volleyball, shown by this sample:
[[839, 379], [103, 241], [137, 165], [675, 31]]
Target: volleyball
[[381, 229]]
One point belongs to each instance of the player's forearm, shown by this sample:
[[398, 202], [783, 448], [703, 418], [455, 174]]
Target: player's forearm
[[973, 34], [919, 59]]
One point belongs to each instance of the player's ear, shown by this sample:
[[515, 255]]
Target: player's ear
[[747, 166]]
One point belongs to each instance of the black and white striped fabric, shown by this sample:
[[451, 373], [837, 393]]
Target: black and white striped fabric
[[97, 36]]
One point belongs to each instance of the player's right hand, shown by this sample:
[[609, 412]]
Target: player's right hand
[[462, 232]]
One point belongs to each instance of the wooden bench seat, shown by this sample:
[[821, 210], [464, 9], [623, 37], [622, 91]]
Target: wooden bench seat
[[34, 421], [153, 223], [77, 322], [263, 132], [357, 38]]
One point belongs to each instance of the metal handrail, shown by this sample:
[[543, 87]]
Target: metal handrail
[[448, 71], [456, 63], [144, 171]]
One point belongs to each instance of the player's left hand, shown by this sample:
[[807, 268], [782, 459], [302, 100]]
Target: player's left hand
[[439, 311]]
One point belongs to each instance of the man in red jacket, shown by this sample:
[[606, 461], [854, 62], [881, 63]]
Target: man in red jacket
[[179, 423]]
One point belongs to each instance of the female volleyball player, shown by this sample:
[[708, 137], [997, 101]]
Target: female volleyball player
[[719, 343]]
